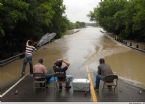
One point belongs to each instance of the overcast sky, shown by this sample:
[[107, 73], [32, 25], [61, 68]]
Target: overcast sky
[[77, 10]]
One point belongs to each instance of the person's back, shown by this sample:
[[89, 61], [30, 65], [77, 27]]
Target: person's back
[[104, 70], [39, 68]]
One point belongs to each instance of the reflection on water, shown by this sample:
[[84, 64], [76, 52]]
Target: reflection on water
[[84, 49]]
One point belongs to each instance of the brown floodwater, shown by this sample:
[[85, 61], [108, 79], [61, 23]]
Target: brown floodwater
[[83, 49]]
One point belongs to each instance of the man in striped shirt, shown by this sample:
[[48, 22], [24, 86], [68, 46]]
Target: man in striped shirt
[[28, 57]]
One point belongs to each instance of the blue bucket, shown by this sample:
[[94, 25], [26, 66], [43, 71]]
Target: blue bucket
[[53, 79]]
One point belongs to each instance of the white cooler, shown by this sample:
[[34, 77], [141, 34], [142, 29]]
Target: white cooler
[[81, 85]]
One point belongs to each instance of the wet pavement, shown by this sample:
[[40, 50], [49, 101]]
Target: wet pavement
[[24, 92]]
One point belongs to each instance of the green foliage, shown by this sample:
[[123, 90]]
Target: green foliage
[[123, 17], [75, 25], [79, 24], [21, 20]]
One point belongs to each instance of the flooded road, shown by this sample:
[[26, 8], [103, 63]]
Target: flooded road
[[82, 49]]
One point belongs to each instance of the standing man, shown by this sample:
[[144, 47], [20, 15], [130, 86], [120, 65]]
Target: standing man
[[28, 57], [103, 70]]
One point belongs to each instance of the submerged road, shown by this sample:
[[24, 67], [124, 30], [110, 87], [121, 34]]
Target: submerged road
[[82, 49]]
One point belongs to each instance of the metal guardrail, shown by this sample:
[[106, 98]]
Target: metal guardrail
[[8, 60], [131, 45], [44, 40]]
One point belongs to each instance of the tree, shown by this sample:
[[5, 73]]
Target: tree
[[122, 17], [21, 20]]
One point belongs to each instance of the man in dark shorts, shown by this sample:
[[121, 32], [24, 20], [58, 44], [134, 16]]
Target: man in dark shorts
[[60, 71]]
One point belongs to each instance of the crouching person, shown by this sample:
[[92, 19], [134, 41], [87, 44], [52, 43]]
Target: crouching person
[[40, 68], [60, 67]]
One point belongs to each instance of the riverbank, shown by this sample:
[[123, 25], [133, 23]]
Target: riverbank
[[140, 46], [70, 32]]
